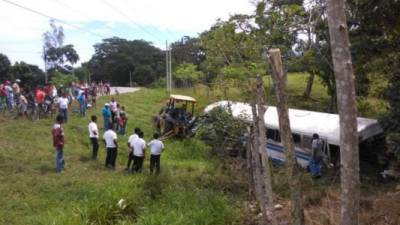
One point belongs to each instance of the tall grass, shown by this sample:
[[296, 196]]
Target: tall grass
[[87, 193]]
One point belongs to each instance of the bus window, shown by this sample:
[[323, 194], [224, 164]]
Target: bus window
[[297, 140], [270, 134], [273, 135]]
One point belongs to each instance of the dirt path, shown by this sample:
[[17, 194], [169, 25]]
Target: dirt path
[[123, 90]]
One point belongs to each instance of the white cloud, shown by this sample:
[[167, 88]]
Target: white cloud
[[170, 18]]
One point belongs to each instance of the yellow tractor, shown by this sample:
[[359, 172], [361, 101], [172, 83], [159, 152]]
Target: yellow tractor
[[176, 117]]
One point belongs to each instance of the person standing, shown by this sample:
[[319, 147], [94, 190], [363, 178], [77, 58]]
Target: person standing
[[94, 136], [114, 109], [82, 104], [317, 156], [156, 148], [58, 143], [110, 139], [106, 115], [139, 147], [130, 146], [63, 106], [122, 121]]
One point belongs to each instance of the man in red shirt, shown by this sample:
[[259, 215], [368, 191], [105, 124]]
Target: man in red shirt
[[58, 143], [40, 95]]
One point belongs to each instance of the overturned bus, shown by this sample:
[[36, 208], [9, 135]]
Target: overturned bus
[[303, 125]]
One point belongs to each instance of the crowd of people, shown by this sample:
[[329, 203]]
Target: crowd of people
[[41, 101], [46, 100], [115, 122], [136, 145]]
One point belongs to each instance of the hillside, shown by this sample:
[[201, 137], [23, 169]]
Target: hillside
[[32, 193], [194, 187]]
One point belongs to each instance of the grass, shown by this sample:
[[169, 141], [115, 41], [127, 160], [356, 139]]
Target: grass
[[187, 192], [194, 187]]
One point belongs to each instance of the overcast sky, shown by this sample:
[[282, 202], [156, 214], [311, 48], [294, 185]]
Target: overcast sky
[[156, 21]]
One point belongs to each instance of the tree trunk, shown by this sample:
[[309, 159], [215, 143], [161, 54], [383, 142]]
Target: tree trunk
[[310, 82], [256, 163], [345, 90], [262, 143], [249, 165], [293, 173]]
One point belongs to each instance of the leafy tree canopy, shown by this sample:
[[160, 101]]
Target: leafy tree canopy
[[116, 58], [5, 65]]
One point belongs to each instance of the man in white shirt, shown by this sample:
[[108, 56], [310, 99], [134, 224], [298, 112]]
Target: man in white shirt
[[156, 147], [138, 146], [63, 106], [94, 136], [130, 140], [110, 139]]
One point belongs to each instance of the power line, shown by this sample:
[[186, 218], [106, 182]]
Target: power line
[[167, 30], [78, 12], [132, 21], [53, 18]]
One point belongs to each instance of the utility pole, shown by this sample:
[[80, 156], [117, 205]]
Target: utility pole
[[130, 78], [45, 65], [170, 70], [167, 65]]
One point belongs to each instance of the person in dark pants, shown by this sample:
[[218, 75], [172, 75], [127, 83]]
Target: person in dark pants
[[110, 139], [58, 143], [156, 148], [94, 136], [130, 146], [317, 156], [139, 147]]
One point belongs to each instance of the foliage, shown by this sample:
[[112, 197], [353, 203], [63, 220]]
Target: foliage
[[279, 24], [374, 38], [223, 132], [82, 73], [5, 65], [116, 58], [187, 50], [188, 74], [62, 80], [30, 75], [58, 57]]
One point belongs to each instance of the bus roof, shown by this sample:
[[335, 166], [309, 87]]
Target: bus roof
[[326, 125]]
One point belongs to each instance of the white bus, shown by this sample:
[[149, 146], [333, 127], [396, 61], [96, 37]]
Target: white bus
[[303, 125]]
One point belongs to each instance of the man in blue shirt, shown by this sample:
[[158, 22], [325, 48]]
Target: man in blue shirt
[[106, 115]]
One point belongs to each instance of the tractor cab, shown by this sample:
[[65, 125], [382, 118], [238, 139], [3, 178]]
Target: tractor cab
[[177, 118]]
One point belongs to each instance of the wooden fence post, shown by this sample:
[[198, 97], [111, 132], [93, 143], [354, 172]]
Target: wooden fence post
[[294, 175]]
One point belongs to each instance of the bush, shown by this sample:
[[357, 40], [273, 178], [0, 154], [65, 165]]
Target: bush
[[223, 132], [62, 80]]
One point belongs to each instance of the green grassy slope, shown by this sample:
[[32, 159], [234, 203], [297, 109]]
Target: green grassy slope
[[193, 187], [189, 190]]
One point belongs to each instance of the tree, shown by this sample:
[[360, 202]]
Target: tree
[[340, 45], [374, 39], [62, 80], [4, 67], [279, 23], [82, 73], [115, 58], [187, 50], [30, 75], [187, 74], [57, 56]]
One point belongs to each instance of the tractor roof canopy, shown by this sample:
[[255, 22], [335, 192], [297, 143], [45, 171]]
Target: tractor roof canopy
[[182, 98]]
